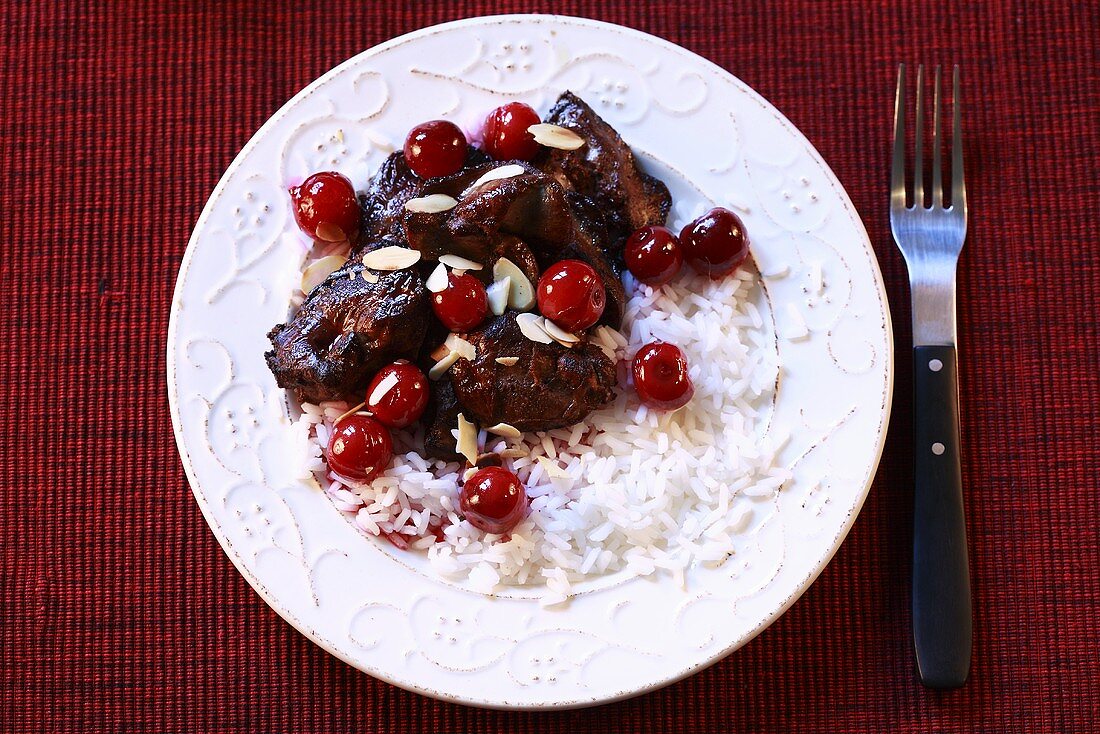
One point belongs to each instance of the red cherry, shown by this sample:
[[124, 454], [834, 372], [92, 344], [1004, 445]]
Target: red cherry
[[506, 137], [436, 148], [463, 304], [715, 244], [661, 376], [360, 448], [402, 394], [653, 255], [325, 206], [571, 294], [493, 500]]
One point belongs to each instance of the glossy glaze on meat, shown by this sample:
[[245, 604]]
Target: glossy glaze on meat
[[531, 207], [387, 191], [346, 330], [550, 386], [605, 171]]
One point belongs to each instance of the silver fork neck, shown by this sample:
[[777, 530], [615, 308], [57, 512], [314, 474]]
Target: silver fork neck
[[933, 297]]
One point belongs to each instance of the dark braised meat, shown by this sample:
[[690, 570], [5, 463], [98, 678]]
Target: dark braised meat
[[530, 206], [604, 170], [549, 386], [393, 184], [347, 329], [440, 418]]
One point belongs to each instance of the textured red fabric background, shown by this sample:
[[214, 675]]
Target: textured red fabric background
[[118, 611]]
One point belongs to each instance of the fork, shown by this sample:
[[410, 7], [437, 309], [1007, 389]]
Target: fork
[[930, 238]]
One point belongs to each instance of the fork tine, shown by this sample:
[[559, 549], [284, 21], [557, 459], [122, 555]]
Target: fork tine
[[918, 147], [958, 185], [897, 168], [937, 166]]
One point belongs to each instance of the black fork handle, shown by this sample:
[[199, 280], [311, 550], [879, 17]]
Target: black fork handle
[[942, 614]]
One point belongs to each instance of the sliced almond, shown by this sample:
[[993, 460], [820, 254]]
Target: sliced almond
[[391, 258], [318, 270], [512, 453], [431, 204], [555, 136], [531, 325], [459, 263], [440, 368], [559, 334], [507, 361], [329, 232], [521, 296], [552, 469], [496, 174], [388, 383], [498, 295], [369, 276], [467, 439], [469, 473], [437, 281], [346, 413], [503, 429], [461, 347]]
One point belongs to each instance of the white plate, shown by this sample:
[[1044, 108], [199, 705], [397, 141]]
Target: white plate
[[716, 142]]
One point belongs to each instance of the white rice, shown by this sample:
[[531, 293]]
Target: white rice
[[647, 492]]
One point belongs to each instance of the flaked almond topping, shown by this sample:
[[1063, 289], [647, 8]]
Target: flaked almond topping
[[318, 270], [459, 263], [512, 453], [498, 295], [437, 281], [440, 368], [521, 295], [346, 414], [496, 174], [469, 473], [431, 204], [391, 258], [460, 346], [503, 429], [531, 326], [559, 334], [555, 136], [552, 469], [369, 276], [329, 232], [388, 383], [507, 361], [467, 439]]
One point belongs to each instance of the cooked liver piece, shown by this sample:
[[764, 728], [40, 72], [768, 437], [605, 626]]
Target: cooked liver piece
[[347, 330], [383, 200], [440, 418], [549, 387], [532, 207], [604, 170]]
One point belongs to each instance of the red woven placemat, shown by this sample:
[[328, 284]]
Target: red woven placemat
[[118, 611]]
